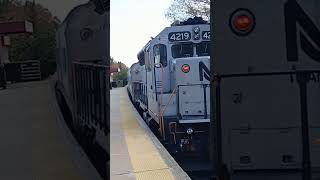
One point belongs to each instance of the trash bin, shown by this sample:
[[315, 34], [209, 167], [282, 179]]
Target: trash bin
[[13, 72], [3, 79], [114, 84]]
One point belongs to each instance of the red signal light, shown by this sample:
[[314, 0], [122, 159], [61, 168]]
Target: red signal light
[[185, 68], [242, 22]]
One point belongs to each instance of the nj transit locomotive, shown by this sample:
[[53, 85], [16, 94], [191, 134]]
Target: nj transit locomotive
[[170, 85], [81, 54]]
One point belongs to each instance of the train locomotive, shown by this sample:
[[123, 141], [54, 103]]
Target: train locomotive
[[170, 85]]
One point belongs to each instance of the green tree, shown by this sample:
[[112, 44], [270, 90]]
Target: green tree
[[181, 10], [122, 75], [117, 64], [40, 45]]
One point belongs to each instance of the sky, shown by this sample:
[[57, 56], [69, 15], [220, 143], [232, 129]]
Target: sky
[[61, 8], [132, 24]]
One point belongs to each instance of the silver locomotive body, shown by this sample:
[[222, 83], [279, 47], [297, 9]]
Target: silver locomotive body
[[172, 89]]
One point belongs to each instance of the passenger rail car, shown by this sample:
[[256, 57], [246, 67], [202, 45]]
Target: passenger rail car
[[170, 85], [82, 52]]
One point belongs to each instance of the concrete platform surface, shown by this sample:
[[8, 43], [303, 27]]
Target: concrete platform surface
[[135, 151], [35, 143]]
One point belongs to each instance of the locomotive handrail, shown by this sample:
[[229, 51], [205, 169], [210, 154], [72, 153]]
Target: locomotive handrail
[[161, 99], [165, 108], [170, 98]]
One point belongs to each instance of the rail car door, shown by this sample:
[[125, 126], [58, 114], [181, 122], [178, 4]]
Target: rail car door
[[267, 57]]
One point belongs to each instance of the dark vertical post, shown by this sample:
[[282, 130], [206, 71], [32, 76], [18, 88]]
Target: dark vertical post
[[205, 101], [216, 129], [80, 72], [97, 94], [75, 112], [91, 94], [302, 78], [107, 87], [215, 125], [85, 79]]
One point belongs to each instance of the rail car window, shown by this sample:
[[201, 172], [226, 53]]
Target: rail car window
[[160, 54], [203, 49], [182, 50]]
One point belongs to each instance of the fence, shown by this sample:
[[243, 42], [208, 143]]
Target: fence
[[23, 71], [30, 71]]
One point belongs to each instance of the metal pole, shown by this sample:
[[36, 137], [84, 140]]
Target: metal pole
[[302, 78]]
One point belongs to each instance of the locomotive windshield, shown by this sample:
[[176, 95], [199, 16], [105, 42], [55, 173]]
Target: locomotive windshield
[[187, 49], [182, 50], [203, 49]]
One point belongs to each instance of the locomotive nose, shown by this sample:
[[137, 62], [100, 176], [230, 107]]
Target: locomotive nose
[[192, 77], [193, 70]]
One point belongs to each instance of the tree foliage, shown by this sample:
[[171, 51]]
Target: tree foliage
[[181, 10], [117, 64], [122, 75], [40, 45]]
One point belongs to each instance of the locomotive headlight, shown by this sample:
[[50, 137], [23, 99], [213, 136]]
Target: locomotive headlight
[[196, 34], [196, 30], [196, 37], [189, 131]]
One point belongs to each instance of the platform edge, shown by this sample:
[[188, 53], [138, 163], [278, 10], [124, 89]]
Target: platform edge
[[80, 158], [176, 170]]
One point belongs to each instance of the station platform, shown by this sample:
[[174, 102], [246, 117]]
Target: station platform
[[135, 152], [35, 142]]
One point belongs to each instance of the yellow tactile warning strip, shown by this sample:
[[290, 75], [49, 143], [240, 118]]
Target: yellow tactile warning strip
[[146, 161]]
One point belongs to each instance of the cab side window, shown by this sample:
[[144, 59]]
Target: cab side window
[[141, 58], [163, 54], [160, 54], [156, 54], [147, 59]]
